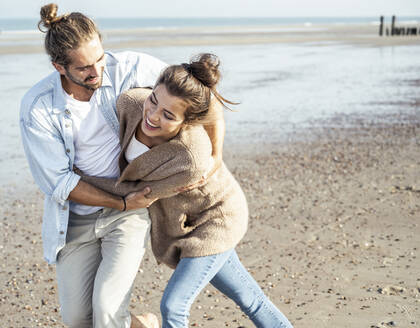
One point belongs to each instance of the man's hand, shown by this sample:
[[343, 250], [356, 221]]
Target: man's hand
[[138, 199]]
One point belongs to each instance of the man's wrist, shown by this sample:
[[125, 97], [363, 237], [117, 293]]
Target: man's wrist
[[117, 202], [125, 204]]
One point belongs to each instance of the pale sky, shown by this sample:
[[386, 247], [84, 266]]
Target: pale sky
[[215, 8]]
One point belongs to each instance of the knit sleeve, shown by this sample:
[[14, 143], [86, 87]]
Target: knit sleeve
[[164, 168], [109, 185]]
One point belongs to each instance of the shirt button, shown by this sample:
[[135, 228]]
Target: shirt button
[[67, 112], [68, 125], [61, 232], [68, 150], [65, 208]]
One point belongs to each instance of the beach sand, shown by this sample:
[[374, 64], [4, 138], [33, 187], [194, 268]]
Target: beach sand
[[334, 210], [354, 34], [333, 233]]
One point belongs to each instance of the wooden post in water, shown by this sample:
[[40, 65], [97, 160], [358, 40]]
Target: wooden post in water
[[393, 25], [381, 26]]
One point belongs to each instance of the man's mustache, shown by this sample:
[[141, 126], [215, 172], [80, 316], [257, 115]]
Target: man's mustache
[[90, 78]]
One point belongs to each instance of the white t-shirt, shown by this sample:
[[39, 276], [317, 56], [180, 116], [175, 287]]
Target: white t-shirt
[[96, 146], [134, 149]]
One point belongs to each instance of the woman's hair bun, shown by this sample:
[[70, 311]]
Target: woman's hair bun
[[48, 16], [205, 68]]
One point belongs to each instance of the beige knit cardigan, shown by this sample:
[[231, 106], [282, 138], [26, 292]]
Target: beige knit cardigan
[[206, 220]]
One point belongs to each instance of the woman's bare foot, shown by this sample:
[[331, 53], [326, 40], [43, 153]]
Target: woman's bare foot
[[147, 320]]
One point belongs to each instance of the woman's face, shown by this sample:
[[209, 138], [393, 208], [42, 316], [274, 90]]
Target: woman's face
[[163, 114]]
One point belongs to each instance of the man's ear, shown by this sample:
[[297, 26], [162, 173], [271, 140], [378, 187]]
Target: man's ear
[[59, 68]]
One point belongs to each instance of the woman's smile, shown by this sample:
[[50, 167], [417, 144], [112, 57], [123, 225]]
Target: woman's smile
[[150, 125], [163, 116]]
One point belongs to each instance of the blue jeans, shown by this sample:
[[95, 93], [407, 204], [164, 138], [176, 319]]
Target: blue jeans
[[225, 272]]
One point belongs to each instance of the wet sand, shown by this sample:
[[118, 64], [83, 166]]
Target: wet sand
[[333, 234], [354, 34]]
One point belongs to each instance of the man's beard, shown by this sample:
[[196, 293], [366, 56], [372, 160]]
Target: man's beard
[[83, 84]]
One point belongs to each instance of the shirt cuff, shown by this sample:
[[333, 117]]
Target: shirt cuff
[[64, 188]]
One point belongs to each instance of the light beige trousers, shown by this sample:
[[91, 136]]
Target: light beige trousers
[[97, 267]]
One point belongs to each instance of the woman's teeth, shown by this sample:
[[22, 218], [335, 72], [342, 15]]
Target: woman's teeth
[[151, 124]]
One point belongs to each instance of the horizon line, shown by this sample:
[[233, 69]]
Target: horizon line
[[224, 17]]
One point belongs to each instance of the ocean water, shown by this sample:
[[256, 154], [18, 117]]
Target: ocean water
[[280, 87], [30, 24], [24, 31]]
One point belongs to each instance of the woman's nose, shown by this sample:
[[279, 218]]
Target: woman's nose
[[154, 114]]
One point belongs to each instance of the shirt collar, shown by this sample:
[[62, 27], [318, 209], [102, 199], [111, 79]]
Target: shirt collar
[[106, 81], [59, 102]]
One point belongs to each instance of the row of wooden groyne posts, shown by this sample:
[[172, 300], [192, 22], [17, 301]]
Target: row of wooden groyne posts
[[397, 30]]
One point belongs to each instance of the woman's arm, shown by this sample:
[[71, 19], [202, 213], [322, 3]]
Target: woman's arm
[[168, 167], [88, 194], [109, 185], [164, 169], [164, 188]]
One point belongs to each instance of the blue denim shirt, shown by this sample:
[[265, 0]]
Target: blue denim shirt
[[47, 135]]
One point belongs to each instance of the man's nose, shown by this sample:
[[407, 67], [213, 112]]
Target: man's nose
[[96, 69]]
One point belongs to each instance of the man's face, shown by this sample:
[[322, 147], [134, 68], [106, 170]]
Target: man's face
[[86, 65]]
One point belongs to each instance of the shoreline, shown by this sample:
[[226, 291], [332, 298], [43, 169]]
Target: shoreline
[[349, 34], [333, 236]]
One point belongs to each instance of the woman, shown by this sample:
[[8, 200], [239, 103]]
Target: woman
[[194, 232]]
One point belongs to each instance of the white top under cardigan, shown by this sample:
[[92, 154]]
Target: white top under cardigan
[[134, 149]]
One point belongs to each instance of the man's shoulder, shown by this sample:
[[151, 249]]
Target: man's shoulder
[[43, 88], [129, 69], [41, 92], [124, 56], [118, 63], [129, 59]]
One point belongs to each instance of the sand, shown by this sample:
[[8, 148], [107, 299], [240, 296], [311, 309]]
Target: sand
[[354, 34], [334, 212], [333, 234]]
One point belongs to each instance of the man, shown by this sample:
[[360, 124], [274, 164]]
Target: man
[[68, 119]]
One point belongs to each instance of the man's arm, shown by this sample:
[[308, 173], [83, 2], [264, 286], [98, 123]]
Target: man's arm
[[216, 132], [146, 70], [49, 165], [87, 194]]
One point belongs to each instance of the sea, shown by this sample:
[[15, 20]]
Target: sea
[[280, 87], [10, 25]]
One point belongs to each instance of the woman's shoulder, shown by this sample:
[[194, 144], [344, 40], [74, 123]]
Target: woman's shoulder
[[132, 100], [195, 140], [193, 136]]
